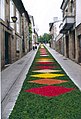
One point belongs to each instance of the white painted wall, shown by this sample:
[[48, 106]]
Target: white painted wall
[[78, 12], [11, 13]]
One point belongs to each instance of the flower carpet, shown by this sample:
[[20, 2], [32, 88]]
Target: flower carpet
[[50, 90], [47, 75], [48, 81], [47, 71], [47, 92]]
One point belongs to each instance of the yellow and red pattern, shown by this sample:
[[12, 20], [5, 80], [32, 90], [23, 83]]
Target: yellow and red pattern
[[47, 76]]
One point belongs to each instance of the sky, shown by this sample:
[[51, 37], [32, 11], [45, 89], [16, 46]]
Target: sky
[[43, 12]]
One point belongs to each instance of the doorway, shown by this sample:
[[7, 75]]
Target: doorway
[[74, 52], [67, 46], [80, 49], [6, 48]]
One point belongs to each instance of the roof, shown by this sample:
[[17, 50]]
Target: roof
[[19, 5], [27, 16], [35, 32], [21, 8], [32, 18]]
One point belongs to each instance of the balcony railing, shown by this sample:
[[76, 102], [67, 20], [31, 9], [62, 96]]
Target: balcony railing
[[64, 3], [67, 24]]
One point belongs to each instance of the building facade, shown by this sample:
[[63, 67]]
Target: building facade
[[59, 44], [71, 29], [78, 31], [54, 31], [11, 33], [32, 27], [67, 28], [34, 32], [25, 32], [51, 30]]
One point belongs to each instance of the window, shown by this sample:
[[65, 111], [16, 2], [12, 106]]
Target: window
[[18, 21], [66, 11], [80, 41], [2, 9], [72, 7], [11, 12], [17, 44]]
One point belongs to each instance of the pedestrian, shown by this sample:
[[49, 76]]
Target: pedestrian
[[33, 47]]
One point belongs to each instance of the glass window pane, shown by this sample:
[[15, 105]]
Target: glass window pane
[[2, 9], [18, 22]]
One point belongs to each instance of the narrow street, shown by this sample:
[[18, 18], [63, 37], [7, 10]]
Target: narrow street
[[14, 76], [12, 80], [40, 59]]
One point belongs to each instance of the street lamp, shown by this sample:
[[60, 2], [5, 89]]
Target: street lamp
[[14, 19]]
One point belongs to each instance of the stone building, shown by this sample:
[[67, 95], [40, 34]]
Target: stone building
[[54, 31], [11, 32], [25, 32], [35, 36], [32, 28], [34, 31], [78, 31], [71, 29], [51, 30], [59, 44], [67, 28]]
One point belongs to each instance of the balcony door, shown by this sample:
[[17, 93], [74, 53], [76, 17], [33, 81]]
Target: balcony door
[[67, 46]]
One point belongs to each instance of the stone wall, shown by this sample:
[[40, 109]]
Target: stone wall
[[78, 50]]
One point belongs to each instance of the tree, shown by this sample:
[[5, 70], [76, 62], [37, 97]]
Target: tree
[[45, 38]]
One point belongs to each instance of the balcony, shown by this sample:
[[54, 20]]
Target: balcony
[[67, 24]]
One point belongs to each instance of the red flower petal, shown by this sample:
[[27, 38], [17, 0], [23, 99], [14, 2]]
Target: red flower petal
[[50, 91]]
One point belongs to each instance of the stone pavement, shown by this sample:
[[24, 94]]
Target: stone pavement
[[72, 69], [12, 79]]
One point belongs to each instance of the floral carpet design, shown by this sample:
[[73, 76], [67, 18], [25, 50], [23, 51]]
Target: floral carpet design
[[44, 55], [46, 75], [47, 71], [48, 81], [47, 91], [45, 63], [45, 67], [45, 60]]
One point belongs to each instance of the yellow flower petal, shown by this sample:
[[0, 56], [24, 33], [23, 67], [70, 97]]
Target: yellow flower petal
[[47, 75], [45, 60]]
